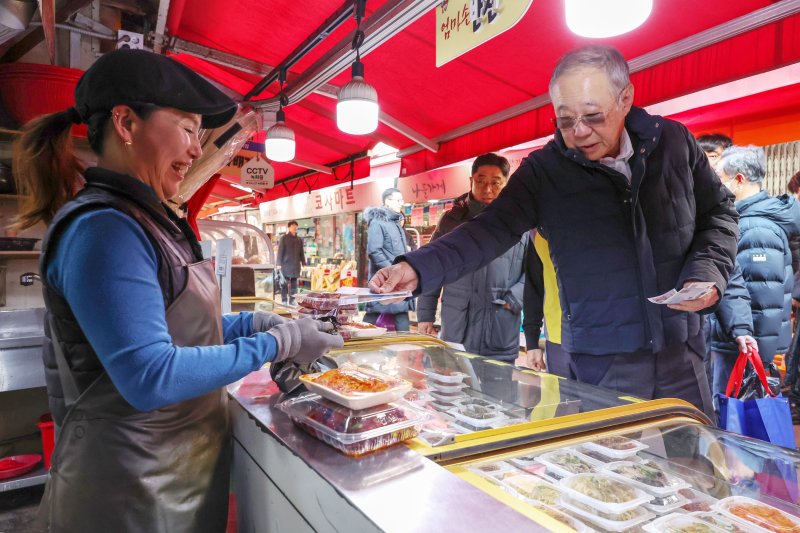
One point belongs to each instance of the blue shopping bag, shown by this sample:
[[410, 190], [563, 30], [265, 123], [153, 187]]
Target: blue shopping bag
[[768, 418]]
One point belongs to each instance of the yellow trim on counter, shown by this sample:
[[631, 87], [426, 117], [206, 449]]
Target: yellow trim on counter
[[507, 499], [632, 399], [558, 424]]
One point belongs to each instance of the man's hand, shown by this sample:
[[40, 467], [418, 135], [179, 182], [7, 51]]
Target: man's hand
[[698, 304], [746, 343], [535, 360], [795, 303], [395, 278], [426, 328]]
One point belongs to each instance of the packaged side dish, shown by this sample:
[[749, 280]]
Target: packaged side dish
[[722, 522], [649, 477], [666, 504], [359, 330], [530, 487], [607, 521], [698, 501], [478, 417], [753, 512], [568, 521], [602, 458], [445, 375], [447, 388], [616, 446], [493, 468], [680, 523], [568, 462], [356, 388], [354, 432], [604, 493]]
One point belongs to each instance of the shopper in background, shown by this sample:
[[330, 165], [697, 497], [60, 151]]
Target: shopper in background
[[541, 304], [713, 144], [480, 310], [793, 357], [137, 354], [291, 259], [631, 209], [765, 225], [386, 239]]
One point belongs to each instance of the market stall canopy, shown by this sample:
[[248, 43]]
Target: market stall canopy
[[491, 97]]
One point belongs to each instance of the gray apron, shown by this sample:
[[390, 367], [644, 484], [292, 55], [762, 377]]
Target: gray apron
[[116, 469]]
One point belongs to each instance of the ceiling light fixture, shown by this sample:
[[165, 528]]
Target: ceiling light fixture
[[598, 19], [357, 106], [280, 143]]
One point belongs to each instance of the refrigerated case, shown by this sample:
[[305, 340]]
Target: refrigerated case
[[435, 482]]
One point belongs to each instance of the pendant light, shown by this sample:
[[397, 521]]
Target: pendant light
[[280, 144], [357, 106], [606, 18]]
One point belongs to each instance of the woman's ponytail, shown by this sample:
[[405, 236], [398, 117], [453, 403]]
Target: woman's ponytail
[[46, 170]]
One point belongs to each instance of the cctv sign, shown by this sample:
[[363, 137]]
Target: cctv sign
[[257, 174]]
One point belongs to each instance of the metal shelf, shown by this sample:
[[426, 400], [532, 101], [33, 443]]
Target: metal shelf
[[37, 476], [28, 254]]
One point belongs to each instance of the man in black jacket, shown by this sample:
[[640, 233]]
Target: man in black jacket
[[632, 209]]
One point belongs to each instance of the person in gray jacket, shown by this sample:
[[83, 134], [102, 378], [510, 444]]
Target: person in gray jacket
[[386, 239], [481, 310], [290, 260], [766, 224]]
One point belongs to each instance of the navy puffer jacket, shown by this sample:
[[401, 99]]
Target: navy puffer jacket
[[614, 243], [765, 225]]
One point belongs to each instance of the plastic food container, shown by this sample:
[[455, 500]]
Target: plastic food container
[[607, 521], [647, 477], [616, 446], [445, 375], [479, 417], [565, 463], [530, 487], [360, 330], [493, 469], [602, 458], [345, 385], [448, 388], [758, 515], [698, 501], [568, 521], [354, 432], [680, 523], [666, 504], [604, 493], [447, 398], [470, 401], [722, 522]]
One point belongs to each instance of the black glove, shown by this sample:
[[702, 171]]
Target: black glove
[[304, 340], [263, 322]]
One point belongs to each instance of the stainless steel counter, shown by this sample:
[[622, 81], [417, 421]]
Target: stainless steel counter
[[21, 336], [287, 480]]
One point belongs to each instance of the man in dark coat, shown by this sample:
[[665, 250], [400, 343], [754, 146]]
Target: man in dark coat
[[481, 310], [632, 209], [766, 224], [290, 260], [386, 240]]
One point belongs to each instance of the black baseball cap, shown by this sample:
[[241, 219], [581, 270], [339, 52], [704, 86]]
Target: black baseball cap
[[137, 76]]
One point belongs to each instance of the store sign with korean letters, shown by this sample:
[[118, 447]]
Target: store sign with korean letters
[[462, 25], [328, 201]]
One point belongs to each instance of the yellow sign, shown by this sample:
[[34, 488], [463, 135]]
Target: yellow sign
[[462, 25]]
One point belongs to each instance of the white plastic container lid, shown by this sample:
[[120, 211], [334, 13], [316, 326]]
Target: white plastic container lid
[[635, 496], [445, 376], [554, 461], [564, 518], [449, 388], [446, 397], [637, 515], [616, 446], [672, 483], [725, 523], [677, 501], [530, 487], [676, 523], [396, 387], [770, 517], [463, 414]]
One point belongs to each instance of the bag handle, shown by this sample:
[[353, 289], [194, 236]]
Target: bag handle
[[737, 374]]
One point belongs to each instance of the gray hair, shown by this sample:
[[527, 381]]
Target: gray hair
[[602, 57], [749, 161]]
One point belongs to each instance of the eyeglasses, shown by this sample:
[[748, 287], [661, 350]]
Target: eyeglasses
[[590, 119]]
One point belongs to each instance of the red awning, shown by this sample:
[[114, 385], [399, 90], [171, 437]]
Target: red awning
[[506, 71]]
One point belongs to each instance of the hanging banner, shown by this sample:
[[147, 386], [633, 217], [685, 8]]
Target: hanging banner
[[257, 174], [462, 25]]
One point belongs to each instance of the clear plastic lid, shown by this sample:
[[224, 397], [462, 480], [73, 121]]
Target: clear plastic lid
[[604, 493], [648, 477], [698, 501], [667, 503], [615, 446], [568, 462], [755, 513], [680, 523], [355, 431], [493, 468], [448, 398], [608, 521], [445, 375], [447, 388], [477, 417], [356, 388], [724, 523], [530, 487], [344, 298], [565, 519]]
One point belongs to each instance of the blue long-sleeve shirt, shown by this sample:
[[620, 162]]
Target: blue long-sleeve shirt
[[107, 270]]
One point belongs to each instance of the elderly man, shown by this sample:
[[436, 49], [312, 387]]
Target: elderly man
[[481, 310], [766, 224], [632, 209]]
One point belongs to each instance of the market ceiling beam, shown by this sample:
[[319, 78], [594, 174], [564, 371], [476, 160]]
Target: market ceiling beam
[[312, 166], [727, 30], [313, 135], [34, 37], [388, 20]]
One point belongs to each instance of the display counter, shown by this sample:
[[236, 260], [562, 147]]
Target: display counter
[[253, 304], [451, 476]]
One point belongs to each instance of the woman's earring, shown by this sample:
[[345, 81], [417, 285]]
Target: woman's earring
[[128, 144]]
